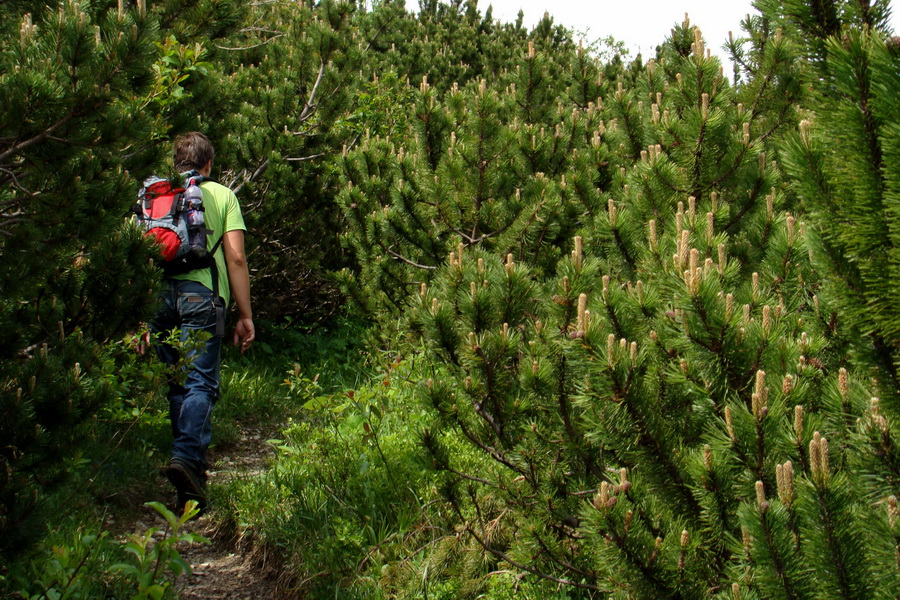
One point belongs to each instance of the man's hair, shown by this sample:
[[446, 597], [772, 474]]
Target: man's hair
[[192, 151]]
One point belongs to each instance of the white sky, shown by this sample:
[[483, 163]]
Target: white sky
[[641, 24]]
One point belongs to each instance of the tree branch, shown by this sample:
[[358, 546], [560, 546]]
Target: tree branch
[[409, 262], [309, 108], [505, 557], [38, 138], [305, 158], [258, 172], [263, 43]]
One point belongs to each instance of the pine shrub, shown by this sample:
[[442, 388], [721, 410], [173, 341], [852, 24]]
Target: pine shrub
[[647, 354]]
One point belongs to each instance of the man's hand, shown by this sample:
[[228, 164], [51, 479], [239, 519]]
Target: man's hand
[[239, 280], [143, 343], [244, 333]]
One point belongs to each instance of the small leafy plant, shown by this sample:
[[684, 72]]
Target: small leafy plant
[[64, 573], [155, 558]]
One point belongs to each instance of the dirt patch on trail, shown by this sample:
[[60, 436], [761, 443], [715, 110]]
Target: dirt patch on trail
[[222, 570]]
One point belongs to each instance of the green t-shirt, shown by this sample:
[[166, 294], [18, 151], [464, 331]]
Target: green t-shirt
[[221, 213]]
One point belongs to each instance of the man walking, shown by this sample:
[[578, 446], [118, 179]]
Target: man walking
[[195, 302]]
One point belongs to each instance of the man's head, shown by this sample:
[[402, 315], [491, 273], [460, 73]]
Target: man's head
[[192, 151]]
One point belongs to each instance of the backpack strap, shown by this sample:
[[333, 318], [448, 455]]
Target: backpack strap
[[213, 266], [214, 273], [197, 176]]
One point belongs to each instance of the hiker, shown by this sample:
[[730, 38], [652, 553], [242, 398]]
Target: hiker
[[196, 300]]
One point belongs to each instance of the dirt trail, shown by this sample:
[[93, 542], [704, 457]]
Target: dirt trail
[[222, 574], [221, 571]]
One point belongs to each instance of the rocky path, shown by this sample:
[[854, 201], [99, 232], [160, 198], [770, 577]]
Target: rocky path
[[222, 574], [222, 571]]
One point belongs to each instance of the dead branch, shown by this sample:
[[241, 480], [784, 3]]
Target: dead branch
[[409, 262], [263, 43], [305, 158], [505, 557], [309, 107], [38, 138]]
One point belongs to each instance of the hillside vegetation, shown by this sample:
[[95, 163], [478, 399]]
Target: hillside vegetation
[[543, 320]]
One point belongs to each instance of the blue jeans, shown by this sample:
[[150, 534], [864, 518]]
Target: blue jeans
[[190, 306]]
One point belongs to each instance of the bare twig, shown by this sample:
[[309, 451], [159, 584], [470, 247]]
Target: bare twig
[[409, 262], [261, 30], [492, 452], [259, 171], [11, 221], [305, 158], [263, 43], [38, 138], [309, 107], [18, 184], [472, 478], [505, 557]]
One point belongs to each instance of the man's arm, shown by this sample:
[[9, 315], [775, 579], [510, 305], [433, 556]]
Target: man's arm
[[239, 281]]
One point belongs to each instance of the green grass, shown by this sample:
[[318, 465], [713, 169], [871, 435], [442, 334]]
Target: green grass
[[349, 507], [256, 388], [116, 470], [344, 497]]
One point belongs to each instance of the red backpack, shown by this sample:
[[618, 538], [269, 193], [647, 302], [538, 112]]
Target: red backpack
[[173, 216]]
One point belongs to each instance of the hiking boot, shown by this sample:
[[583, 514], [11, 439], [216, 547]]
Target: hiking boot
[[189, 484]]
